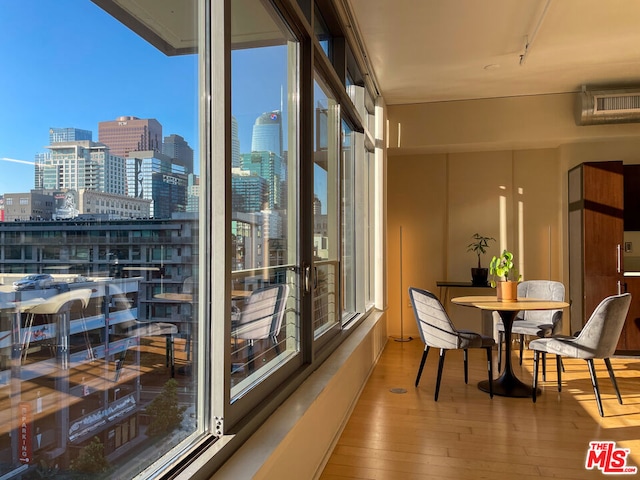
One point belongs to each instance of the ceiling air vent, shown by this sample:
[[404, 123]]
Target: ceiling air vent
[[609, 106]]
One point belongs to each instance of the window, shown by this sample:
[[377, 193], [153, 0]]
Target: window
[[130, 363], [326, 241], [264, 222], [288, 192]]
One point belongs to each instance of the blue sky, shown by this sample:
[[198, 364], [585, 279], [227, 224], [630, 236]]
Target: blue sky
[[67, 63]]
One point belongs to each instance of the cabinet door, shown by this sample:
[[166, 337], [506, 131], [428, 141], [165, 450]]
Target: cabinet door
[[596, 232]]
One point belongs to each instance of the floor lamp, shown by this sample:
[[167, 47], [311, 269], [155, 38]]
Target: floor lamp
[[401, 339]]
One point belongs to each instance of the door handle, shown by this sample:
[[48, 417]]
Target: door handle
[[619, 258], [307, 279]]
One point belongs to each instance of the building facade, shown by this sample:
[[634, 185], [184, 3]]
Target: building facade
[[153, 176], [57, 135], [127, 134], [80, 165], [26, 206], [176, 147], [267, 133]]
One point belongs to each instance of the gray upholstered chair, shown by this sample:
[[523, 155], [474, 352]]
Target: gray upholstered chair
[[437, 330], [538, 323], [261, 318], [597, 339]]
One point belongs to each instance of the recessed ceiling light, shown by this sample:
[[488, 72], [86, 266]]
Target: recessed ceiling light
[[492, 66]]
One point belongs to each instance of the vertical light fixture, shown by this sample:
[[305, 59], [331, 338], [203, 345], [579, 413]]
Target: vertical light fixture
[[401, 339]]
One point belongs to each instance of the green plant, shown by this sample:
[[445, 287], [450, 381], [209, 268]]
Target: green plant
[[91, 458], [503, 268], [479, 245], [164, 410]]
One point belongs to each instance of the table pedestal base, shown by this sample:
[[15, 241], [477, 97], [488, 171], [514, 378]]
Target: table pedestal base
[[508, 386]]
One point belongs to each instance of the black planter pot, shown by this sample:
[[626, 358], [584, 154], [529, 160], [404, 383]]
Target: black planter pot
[[479, 276]]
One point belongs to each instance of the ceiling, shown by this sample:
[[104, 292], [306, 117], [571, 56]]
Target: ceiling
[[443, 50]]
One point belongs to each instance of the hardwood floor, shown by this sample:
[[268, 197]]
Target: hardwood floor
[[467, 435]]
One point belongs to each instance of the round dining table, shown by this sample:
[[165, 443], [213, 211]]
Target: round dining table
[[507, 384]]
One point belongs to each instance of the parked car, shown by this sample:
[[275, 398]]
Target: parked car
[[39, 280]]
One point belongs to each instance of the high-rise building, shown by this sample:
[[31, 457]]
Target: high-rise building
[[193, 193], [80, 164], [235, 143], [129, 134], [57, 135], [178, 149], [267, 133], [268, 165], [152, 175], [249, 192]]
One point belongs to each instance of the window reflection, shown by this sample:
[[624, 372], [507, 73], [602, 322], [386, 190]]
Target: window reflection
[[264, 198], [97, 351], [326, 233]]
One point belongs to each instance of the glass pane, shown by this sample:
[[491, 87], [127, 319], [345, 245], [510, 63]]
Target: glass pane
[[349, 224], [322, 32], [370, 250], [98, 248], [265, 320], [326, 234]]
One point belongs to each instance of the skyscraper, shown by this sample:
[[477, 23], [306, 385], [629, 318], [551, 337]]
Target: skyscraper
[[178, 149], [130, 134], [267, 133], [151, 175], [69, 134], [269, 166], [235, 143]]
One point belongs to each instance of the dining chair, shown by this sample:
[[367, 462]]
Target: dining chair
[[261, 318], [597, 339], [437, 331], [537, 323]]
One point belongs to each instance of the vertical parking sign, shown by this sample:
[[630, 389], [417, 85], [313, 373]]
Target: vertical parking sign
[[25, 447]]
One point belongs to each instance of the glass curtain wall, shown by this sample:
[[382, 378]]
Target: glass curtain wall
[[98, 352]]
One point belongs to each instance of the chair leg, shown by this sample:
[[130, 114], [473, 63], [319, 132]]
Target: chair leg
[[490, 366], [536, 356], [594, 382], [500, 340], [559, 369], [607, 362], [440, 365], [424, 359], [251, 357], [544, 366], [521, 346], [466, 366]]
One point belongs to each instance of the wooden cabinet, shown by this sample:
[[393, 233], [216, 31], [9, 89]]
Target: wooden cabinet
[[596, 233], [630, 337]]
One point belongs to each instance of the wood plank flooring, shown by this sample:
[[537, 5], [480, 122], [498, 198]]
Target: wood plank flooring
[[467, 435]]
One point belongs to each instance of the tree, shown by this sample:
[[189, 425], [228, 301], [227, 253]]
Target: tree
[[164, 410], [91, 458]]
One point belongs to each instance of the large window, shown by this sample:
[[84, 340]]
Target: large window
[[265, 319], [187, 216], [99, 346]]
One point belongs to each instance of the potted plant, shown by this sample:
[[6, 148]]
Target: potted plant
[[505, 276], [479, 247]]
